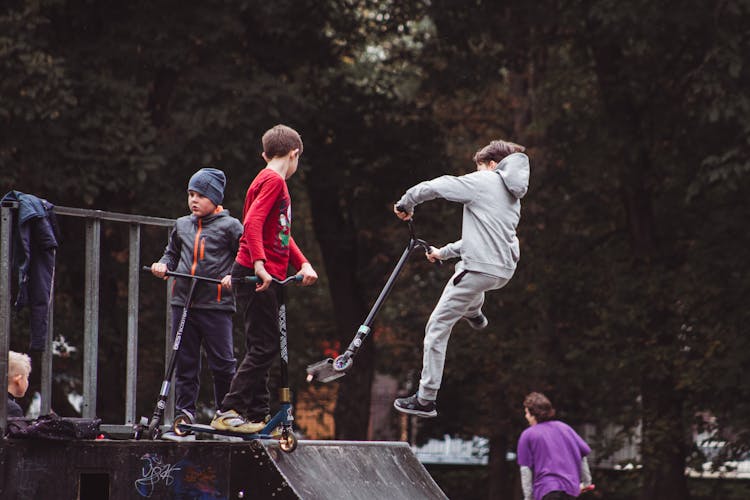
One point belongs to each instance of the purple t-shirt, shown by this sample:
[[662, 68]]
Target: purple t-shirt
[[553, 451]]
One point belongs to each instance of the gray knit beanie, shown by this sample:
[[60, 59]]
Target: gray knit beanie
[[210, 183]]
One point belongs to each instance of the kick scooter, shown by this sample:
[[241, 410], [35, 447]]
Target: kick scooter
[[331, 369], [152, 428], [280, 425]]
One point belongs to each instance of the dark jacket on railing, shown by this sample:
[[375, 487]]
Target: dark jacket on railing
[[35, 237]]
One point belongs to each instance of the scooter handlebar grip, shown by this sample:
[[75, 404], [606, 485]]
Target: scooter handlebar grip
[[246, 279], [255, 279]]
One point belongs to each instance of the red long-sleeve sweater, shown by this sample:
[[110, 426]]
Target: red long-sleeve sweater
[[267, 217]]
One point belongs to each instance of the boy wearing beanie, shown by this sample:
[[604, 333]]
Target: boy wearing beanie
[[203, 243]]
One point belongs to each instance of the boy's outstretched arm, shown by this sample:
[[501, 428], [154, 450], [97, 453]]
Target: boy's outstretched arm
[[433, 254], [309, 276], [449, 251], [403, 215], [527, 483], [263, 275], [585, 474], [226, 282], [159, 269], [460, 189]]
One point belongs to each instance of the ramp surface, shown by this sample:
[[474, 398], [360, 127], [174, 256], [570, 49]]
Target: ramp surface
[[216, 469], [354, 470]]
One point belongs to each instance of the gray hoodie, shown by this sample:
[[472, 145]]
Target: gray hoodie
[[492, 209]]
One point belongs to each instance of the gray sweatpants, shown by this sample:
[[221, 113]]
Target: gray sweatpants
[[464, 298]]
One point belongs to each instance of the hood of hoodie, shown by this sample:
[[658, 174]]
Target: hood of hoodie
[[514, 170]]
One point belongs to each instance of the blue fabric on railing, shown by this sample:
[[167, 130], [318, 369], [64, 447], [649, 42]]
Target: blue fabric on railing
[[36, 238]]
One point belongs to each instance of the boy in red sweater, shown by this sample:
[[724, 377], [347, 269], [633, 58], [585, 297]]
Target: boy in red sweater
[[266, 250]]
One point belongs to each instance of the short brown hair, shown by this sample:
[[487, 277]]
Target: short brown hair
[[496, 151], [280, 140], [539, 406]]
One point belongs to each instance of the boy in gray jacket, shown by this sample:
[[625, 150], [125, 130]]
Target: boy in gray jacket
[[203, 243], [488, 249]]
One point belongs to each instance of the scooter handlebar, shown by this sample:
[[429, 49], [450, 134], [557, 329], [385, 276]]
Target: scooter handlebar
[[244, 279], [417, 242]]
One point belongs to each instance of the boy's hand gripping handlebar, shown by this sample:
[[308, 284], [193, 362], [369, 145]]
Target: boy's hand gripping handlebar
[[331, 369], [244, 279]]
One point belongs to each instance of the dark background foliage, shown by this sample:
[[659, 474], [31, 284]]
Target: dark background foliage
[[627, 308]]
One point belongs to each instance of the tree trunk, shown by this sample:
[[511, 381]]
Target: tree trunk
[[501, 483], [663, 445], [338, 245]]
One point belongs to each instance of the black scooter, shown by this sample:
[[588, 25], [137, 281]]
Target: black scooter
[[280, 425], [152, 428], [331, 369]]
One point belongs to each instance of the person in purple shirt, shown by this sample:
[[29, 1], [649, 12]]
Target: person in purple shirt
[[552, 456]]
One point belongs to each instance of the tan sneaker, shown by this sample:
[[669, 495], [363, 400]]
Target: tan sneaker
[[232, 421]]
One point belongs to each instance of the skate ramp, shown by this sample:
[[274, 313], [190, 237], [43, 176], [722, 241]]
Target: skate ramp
[[216, 469], [354, 470]]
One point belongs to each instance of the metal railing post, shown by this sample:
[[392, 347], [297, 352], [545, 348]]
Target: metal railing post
[[90, 345], [6, 215], [45, 407], [91, 317], [132, 348]]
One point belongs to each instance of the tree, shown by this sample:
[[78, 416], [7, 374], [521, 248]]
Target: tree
[[605, 93]]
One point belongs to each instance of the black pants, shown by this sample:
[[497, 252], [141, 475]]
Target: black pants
[[557, 495], [213, 329], [249, 394]]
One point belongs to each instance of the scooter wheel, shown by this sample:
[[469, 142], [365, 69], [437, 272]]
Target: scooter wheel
[[288, 441], [342, 363], [181, 419]]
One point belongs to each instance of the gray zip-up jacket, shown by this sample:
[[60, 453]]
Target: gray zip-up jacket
[[204, 247], [492, 210]]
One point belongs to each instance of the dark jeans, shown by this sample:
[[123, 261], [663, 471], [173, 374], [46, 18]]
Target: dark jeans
[[249, 394], [557, 495], [212, 328]]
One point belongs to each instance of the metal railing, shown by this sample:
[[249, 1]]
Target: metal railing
[[93, 222]]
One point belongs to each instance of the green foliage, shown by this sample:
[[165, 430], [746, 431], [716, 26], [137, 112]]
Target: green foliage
[[635, 116], [636, 119]]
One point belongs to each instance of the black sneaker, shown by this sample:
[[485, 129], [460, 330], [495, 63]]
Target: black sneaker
[[477, 322], [411, 406]]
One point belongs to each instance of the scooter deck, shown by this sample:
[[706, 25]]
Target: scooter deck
[[207, 429]]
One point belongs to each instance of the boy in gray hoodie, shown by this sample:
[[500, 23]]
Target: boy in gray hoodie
[[488, 249]]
